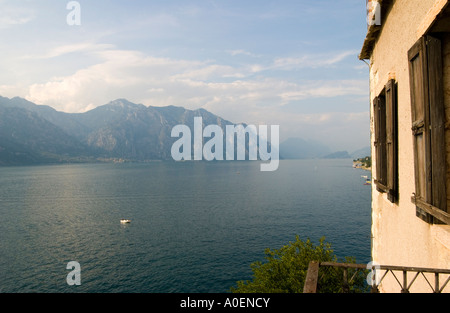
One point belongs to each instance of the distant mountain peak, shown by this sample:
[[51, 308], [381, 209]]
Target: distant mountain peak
[[120, 129], [124, 103]]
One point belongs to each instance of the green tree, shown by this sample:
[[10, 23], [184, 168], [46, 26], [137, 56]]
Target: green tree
[[286, 268], [368, 162]]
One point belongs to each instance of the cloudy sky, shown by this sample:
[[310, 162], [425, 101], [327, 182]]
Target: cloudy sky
[[292, 63]]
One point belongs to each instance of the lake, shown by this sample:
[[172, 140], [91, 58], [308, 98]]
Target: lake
[[196, 226]]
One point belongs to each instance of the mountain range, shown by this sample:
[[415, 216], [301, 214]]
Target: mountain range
[[119, 130], [298, 148], [31, 133]]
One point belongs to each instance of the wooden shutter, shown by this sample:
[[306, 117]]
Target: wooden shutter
[[437, 123], [420, 128], [380, 142], [383, 159], [379, 131], [427, 108], [391, 141], [385, 131], [376, 132]]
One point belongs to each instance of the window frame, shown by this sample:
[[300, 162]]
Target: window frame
[[386, 141]]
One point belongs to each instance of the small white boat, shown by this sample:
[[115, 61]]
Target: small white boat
[[124, 221]]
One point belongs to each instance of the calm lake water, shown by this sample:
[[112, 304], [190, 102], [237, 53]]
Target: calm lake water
[[196, 226]]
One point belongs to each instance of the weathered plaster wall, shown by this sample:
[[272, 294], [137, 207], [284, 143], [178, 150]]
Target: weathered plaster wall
[[399, 237]]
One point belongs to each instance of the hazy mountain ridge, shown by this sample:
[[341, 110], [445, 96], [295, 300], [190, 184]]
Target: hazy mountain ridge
[[25, 137], [298, 148], [31, 133]]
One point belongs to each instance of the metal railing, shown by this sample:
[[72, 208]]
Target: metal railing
[[375, 275]]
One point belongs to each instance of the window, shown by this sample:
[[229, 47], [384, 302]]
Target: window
[[428, 130], [385, 131]]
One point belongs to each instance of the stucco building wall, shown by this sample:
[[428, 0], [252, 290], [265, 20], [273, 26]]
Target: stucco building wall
[[398, 236]]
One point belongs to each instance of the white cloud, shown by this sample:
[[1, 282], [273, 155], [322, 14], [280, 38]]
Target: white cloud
[[11, 90], [212, 71], [326, 89], [312, 61], [241, 52], [130, 74], [8, 21], [84, 47], [11, 16]]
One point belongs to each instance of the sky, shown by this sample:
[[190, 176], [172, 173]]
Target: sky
[[292, 63]]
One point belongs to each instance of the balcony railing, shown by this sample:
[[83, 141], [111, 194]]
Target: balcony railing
[[436, 279]]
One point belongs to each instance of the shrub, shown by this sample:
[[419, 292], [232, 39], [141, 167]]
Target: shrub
[[286, 268]]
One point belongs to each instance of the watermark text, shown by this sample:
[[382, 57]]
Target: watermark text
[[74, 277], [74, 16], [213, 149], [373, 13]]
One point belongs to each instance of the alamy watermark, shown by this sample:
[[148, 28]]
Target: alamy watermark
[[74, 16], [258, 143], [74, 277], [373, 13], [373, 278]]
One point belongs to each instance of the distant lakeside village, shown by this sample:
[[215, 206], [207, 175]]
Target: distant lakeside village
[[363, 163]]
